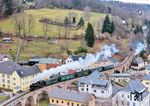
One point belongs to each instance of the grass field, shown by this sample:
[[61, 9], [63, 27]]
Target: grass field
[[41, 48], [7, 25], [2, 98]]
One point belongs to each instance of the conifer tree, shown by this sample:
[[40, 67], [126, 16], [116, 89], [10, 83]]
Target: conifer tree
[[112, 28], [89, 37], [81, 22], [106, 25], [8, 7]]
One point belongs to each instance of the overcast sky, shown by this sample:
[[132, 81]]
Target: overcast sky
[[136, 1]]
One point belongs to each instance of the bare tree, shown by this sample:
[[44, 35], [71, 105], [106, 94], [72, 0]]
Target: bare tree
[[59, 28], [17, 20], [24, 25], [45, 29], [31, 24], [72, 15], [87, 13]]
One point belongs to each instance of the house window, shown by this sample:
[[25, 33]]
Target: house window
[[133, 104], [8, 81], [147, 83], [68, 103], [128, 96], [82, 89], [14, 78], [95, 91], [87, 89], [8, 76], [52, 100], [14, 83], [62, 102], [77, 104], [3, 85], [3, 80], [87, 85], [72, 104], [3, 75], [122, 95], [57, 101], [102, 91], [8, 86]]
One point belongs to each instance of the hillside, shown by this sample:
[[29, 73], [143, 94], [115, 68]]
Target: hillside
[[7, 25]]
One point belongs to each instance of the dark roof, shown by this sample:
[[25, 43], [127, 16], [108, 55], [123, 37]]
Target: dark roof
[[134, 86], [94, 79], [138, 60], [76, 58], [5, 55], [27, 71], [9, 67], [70, 95]]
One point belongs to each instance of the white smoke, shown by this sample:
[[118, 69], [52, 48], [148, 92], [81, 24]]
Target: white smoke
[[140, 47], [106, 51]]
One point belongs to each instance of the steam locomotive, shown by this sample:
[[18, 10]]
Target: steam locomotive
[[61, 78]]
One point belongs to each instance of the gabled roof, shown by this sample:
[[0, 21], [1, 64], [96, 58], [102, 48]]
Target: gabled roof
[[9, 67], [93, 79], [96, 75], [70, 95], [5, 55], [77, 57], [134, 86], [139, 60], [28, 71]]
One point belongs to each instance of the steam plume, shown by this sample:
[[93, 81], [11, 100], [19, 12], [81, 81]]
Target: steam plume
[[106, 51]]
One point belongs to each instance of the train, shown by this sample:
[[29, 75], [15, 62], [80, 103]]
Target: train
[[62, 78]]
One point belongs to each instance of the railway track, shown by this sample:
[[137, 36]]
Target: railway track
[[8, 102], [5, 103]]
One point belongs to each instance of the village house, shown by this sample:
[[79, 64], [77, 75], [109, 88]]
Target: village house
[[146, 81], [133, 94], [45, 63], [16, 77], [94, 85], [120, 77], [5, 57], [64, 97], [138, 63], [147, 69], [73, 58]]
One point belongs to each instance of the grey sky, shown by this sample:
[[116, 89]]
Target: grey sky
[[136, 1]]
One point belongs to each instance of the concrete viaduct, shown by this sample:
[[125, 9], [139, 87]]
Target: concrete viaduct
[[31, 98]]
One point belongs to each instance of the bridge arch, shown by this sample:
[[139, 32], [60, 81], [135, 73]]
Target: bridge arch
[[30, 101], [43, 95], [116, 71]]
